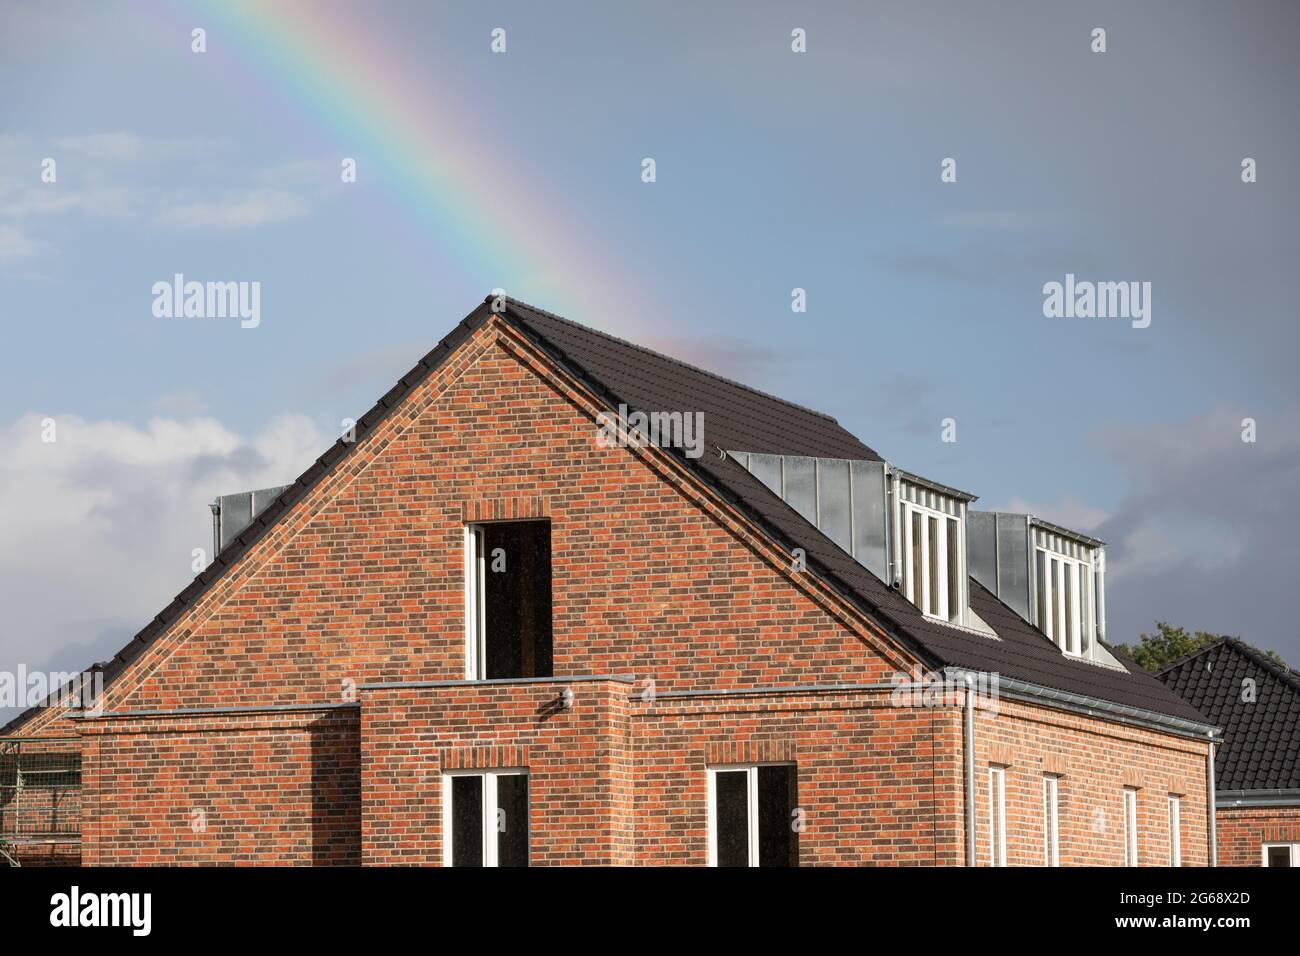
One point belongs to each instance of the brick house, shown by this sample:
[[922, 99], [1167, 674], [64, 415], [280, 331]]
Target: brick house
[[1256, 701], [497, 625]]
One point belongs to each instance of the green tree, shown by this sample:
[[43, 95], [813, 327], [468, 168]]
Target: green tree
[[1154, 651]]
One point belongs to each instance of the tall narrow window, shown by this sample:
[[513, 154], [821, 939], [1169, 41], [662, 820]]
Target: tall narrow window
[[954, 571], [1084, 613], [918, 565], [1071, 628], [1051, 822], [935, 590], [1175, 831], [997, 816], [753, 816], [485, 818], [933, 561], [1064, 601], [1058, 632], [1130, 827], [508, 600], [1044, 620]]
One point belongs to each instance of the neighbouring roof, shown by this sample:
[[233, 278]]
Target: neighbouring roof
[[1261, 737], [740, 418]]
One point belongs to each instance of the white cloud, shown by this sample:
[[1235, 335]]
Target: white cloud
[[117, 175], [97, 528], [112, 147], [258, 208], [16, 244], [33, 202]]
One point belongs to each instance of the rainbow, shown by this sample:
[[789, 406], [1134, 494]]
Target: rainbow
[[436, 163]]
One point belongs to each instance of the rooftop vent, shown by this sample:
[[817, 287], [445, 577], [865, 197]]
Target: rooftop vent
[[231, 514]]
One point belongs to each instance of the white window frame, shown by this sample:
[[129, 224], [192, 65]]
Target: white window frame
[[1067, 632], [1293, 847], [1129, 820], [490, 833], [475, 603], [1175, 830], [922, 600], [751, 803], [997, 816], [1051, 820]]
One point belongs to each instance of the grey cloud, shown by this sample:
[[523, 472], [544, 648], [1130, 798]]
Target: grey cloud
[[1209, 535]]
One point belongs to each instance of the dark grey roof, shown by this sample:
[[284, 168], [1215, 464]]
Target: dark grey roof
[[736, 417], [1261, 738], [1023, 652]]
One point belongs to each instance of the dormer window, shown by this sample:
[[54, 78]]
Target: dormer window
[[908, 531], [1051, 576], [930, 547], [1065, 600], [932, 560]]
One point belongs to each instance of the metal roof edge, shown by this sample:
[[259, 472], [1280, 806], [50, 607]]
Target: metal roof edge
[[1097, 707], [924, 482], [1257, 798]]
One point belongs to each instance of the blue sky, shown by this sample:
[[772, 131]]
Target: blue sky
[[775, 170]]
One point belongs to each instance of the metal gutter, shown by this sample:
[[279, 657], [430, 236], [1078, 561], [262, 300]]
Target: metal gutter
[[1257, 798], [1093, 706], [970, 771], [792, 689], [495, 681], [1211, 802], [203, 711]]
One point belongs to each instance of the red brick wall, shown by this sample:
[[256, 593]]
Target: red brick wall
[[878, 784], [1095, 761], [274, 787], [580, 782], [365, 581], [1242, 832]]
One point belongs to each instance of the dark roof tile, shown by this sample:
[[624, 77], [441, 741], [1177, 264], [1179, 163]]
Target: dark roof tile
[[1261, 729]]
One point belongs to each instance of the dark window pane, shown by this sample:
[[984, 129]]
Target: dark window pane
[[466, 821], [512, 820], [917, 568], [731, 792], [1279, 856], [1055, 609], [518, 598], [1043, 624], [1070, 621], [778, 843], [933, 524], [1085, 606], [954, 580]]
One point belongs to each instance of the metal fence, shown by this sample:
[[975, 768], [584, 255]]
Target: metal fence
[[40, 793]]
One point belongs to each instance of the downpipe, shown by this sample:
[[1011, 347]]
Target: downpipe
[[970, 771]]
